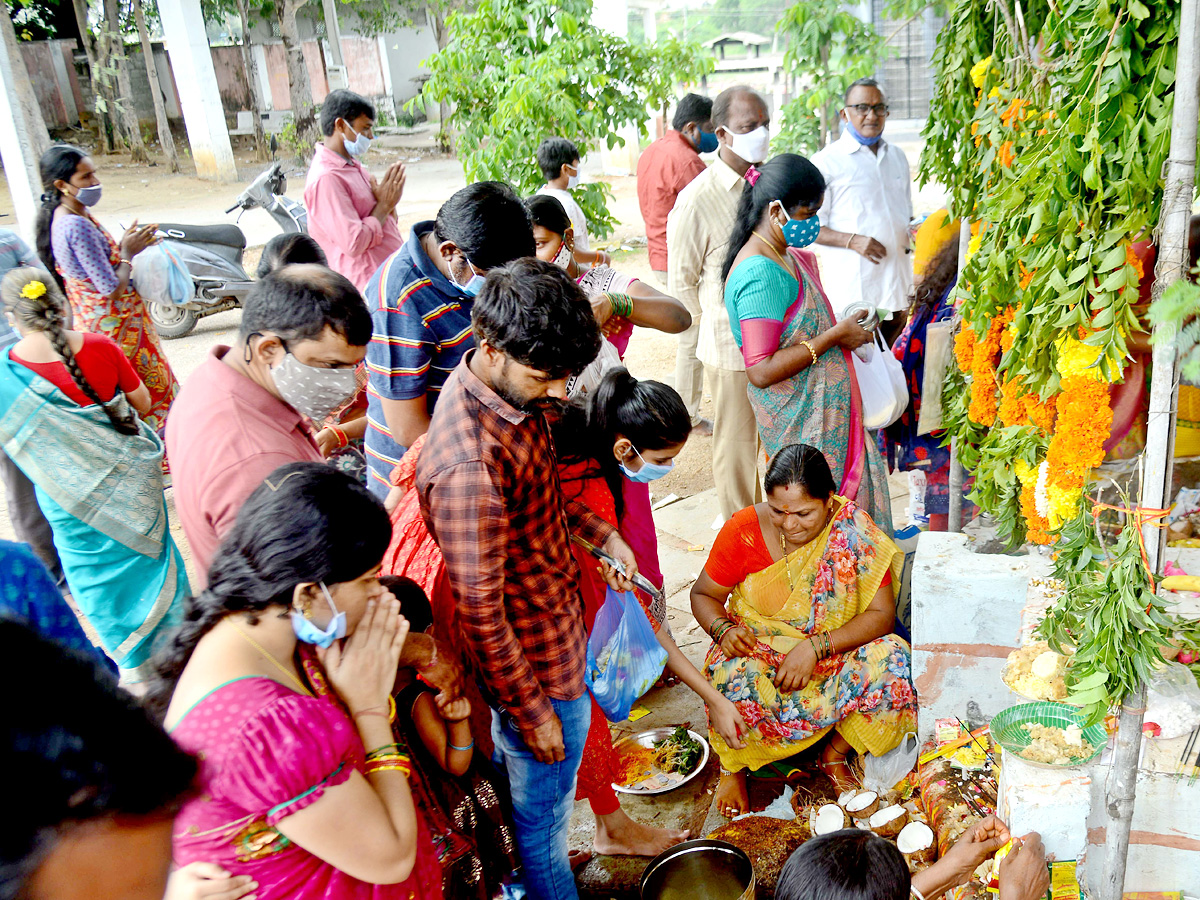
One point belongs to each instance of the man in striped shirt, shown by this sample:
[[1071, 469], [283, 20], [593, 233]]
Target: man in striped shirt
[[420, 301]]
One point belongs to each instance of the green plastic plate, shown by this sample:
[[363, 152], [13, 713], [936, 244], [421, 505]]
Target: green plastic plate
[[1008, 733]]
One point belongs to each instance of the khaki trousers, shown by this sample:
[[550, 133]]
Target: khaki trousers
[[735, 442]]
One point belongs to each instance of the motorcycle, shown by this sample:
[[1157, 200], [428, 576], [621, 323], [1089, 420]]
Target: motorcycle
[[213, 254]]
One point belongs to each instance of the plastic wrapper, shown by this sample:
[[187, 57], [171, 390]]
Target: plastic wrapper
[[160, 277], [1172, 703], [882, 773]]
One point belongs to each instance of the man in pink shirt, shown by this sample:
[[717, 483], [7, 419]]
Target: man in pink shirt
[[350, 214], [242, 412]]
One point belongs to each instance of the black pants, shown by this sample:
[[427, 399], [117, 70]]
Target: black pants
[[27, 519]]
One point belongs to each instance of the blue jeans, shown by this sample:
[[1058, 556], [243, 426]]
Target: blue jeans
[[543, 796]]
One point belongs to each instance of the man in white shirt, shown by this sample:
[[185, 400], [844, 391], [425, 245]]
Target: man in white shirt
[[864, 240], [698, 231]]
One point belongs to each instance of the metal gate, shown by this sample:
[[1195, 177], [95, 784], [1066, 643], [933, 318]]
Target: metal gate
[[905, 73]]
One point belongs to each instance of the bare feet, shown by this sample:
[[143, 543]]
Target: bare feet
[[837, 770], [732, 797], [579, 858], [703, 428], [619, 835]]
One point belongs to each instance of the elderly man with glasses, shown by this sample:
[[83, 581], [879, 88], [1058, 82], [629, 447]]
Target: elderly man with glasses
[[864, 238]]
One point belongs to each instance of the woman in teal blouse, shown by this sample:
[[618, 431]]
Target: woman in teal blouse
[[802, 384]]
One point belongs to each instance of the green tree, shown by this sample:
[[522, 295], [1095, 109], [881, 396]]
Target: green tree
[[828, 48], [517, 71]]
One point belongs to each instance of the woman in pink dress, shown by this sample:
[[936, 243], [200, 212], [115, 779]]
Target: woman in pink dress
[[280, 682]]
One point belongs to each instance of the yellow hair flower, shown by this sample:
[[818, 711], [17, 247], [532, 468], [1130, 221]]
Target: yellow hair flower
[[33, 290]]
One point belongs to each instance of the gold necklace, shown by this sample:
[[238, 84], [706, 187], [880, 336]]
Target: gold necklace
[[778, 255], [280, 666], [787, 566]]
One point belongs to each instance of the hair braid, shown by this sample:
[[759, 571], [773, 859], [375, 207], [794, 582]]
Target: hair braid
[[125, 422]]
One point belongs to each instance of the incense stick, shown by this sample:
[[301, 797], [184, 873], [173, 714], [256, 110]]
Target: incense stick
[[1187, 750]]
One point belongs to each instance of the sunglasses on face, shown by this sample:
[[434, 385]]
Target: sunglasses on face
[[880, 109]]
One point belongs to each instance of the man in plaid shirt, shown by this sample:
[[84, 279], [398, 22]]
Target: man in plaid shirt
[[489, 492]]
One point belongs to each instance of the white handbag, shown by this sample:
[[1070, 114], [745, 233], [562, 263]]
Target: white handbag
[[881, 384]]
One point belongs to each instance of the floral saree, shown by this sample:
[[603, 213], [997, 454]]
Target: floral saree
[[821, 406], [127, 321], [865, 694]]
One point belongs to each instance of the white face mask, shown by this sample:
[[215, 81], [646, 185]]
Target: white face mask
[[358, 147], [573, 180], [562, 258], [752, 146]]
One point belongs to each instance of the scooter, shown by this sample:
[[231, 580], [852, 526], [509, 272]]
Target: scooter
[[213, 254]]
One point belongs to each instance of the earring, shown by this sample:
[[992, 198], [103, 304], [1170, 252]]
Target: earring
[[304, 607]]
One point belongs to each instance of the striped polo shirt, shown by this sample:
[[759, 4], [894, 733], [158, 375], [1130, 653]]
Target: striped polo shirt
[[421, 329]]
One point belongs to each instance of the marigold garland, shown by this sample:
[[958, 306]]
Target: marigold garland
[[983, 408], [1037, 528], [1084, 421], [964, 348], [1134, 262]]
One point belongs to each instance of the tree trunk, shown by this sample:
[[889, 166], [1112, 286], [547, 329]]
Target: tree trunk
[[256, 100], [101, 96], [26, 99], [165, 140], [438, 20], [126, 109], [304, 113]]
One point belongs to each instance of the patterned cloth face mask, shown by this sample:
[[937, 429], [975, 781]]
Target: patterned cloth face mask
[[312, 391], [562, 258], [799, 233]]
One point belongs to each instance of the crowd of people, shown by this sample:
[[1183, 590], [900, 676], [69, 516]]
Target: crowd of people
[[376, 684]]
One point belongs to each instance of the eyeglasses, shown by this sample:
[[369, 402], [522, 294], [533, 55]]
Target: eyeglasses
[[880, 109]]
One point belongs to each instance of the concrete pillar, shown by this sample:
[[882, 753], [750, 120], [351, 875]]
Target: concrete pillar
[[23, 136], [191, 61], [650, 24]]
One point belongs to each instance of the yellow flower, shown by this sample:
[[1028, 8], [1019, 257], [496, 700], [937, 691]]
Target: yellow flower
[[1025, 472], [979, 71], [33, 290], [1078, 358], [1063, 504], [994, 93], [974, 244]]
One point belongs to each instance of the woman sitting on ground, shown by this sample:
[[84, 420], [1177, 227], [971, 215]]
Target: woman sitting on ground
[[797, 596], [68, 421], [803, 386], [626, 434], [618, 301], [281, 682], [854, 864]]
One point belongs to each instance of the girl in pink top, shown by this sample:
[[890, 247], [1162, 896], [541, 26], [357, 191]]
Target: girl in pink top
[[280, 683]]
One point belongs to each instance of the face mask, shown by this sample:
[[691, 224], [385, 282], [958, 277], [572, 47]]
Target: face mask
[[800, 233], [312, 391], [865, 141], [708, 142], [309, 633], [89, 196], [573, 180], [562, 258], [357, 147], [648, 472], [751, 146], [474, 284]]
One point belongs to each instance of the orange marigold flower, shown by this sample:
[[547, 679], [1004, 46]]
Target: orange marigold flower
[[1015, 112], [974, 128], [1026, 276], [983, 408], [1007, 157], [964, 347], [1134, 262], [1084, 420], [1012, 410], [1037, 528], [1039, 412]]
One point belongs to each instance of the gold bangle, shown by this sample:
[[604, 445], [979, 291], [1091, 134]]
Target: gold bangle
[[850, 240], [811, 351]]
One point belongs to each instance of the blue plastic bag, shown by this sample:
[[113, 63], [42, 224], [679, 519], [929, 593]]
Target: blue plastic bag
[[624, 658]]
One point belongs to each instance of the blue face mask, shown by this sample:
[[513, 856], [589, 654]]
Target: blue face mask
[[309, 633], [89, 196], [865, 141], [474, 284], [357, 147], [799, 233], [648, 472], [708, 142]]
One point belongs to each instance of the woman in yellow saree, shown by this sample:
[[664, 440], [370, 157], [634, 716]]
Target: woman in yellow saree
[[797, 595]]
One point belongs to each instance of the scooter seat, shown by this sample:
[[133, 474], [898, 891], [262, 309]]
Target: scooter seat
[[224, 235]]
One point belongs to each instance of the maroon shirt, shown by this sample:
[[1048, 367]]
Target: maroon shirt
[[666, 167], [487, 481]]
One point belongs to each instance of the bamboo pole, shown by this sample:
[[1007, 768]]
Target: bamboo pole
[[1160, 433], [954, 518]]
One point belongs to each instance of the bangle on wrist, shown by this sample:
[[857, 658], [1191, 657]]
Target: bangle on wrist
[[469, 746], [125, 262], [342, 439], [850, 240], [714, 624], [811, 351]]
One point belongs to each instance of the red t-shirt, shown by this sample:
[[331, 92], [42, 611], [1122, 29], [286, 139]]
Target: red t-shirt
[[103, 364]]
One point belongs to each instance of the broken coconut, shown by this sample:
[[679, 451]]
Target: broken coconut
[[846, 797], [864, 805], [916, 842], [828, 819], [889, 821]]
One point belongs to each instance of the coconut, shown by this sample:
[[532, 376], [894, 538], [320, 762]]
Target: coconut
[[1045, 665], [846, 797], [889, 821], [916, 842], [864, 805], [828, 819]]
